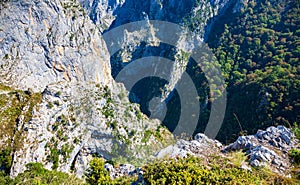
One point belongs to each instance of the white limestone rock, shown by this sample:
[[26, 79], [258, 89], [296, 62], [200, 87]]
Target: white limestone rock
[[43, 42]]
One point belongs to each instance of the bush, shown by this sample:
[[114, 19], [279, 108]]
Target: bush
[[98, 175], [295, 155], [36, 174], [296, 131], [193, 170], [4, 178], [237, 158], [5, 159]]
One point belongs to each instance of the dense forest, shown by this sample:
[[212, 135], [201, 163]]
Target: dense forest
[[259, 50]]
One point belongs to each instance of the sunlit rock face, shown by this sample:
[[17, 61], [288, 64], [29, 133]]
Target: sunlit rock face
[[43, 42], [54, 49]]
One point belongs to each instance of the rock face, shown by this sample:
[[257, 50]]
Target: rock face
[[201, 146], [43, 42], [269, 147], [53, 47], [75, 121]]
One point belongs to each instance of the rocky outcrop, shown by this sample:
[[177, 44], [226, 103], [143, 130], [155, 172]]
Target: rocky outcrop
[[267, 148], [53, 47], [197, 147]]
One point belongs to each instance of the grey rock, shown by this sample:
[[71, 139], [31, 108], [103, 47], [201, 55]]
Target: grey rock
[[255, 163], [276, 162], [47, 43], [202, 146], [81, 107], [109, 14], [127, 169], [171, 151], [261, 147], [243, 142], [286, 138], [109, 167], [246, 167], [259, 134]]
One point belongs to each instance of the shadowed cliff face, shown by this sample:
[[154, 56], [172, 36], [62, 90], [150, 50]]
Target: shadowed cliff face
[[193, 15], [122, 12], [108, 14]]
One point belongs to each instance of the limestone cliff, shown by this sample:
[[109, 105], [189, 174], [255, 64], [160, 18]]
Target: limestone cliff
[[43, 42], [63, 106]]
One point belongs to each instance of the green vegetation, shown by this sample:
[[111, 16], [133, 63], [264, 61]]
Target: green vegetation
[[66, 151], [50, 105], [237, 158], [54, 153], [295, 155], [56, 102], [97, 174], [72, 36], [5, 159], [258, 49], [190, 170], [6, 57], [58, 94], [36, 174], [193, 170], [296, 130], [147, 135], [5, 88], [13, 105]]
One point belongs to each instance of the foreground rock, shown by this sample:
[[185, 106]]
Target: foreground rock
[[201, 146], [267, 148]]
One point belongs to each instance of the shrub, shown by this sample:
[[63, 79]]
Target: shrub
[[5, 159], [296, 131], [97, 174], [193, 170], [237, 158], [36, 174], [295, 155], [50, 105], [4, 178]]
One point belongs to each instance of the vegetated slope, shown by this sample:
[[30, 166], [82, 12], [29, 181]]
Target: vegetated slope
[[259, 50]]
